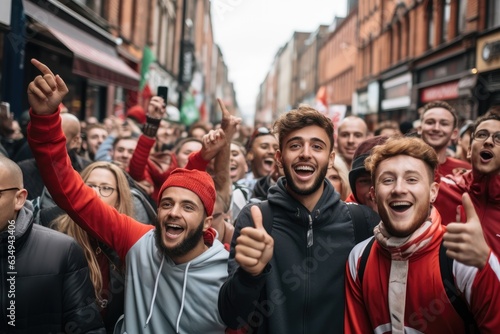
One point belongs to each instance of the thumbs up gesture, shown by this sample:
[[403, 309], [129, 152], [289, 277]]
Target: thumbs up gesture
[[254, 246], [465, 241], [46, 91]]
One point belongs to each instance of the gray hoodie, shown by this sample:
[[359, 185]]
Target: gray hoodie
[[162, 297]]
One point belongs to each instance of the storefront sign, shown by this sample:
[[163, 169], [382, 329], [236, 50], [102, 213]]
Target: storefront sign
[[450, 67], [5, 12], [447, 91], [396, 92], [488, 53]]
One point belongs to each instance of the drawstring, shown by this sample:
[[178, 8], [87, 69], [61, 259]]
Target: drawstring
[[151, 307], [183, 296]]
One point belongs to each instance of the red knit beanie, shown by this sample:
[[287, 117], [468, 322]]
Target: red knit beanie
[[199, 182], [137, 113]]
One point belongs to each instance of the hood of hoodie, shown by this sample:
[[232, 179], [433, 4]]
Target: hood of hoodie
[[293, 209], [23, 224]]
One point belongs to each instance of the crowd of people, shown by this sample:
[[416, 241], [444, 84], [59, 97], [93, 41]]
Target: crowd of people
[[139, 225]]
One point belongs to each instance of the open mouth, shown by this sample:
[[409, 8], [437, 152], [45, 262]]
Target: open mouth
[[268, 162], [173, 230], [400, 206], [304, 170], [486, 155]]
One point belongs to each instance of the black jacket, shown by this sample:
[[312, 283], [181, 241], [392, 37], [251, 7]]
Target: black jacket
[[302, 288], [49, 284]]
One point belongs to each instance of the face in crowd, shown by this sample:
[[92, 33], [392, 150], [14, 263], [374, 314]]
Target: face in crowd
[[438, 128], [305, 155], [261, 152], [185, 149], [485, 147], [352, 132], [404, 184], [237, 163], [182, 221], [123, 150], [12, 194], [94, 137]]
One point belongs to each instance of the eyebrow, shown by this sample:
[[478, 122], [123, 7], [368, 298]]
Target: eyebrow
[[313, 139]]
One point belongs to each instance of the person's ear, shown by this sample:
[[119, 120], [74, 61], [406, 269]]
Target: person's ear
[[21, 196], [207, 223], [278, 158]]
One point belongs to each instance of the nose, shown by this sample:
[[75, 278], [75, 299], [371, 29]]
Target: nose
[[96, 189], [399, 187], [306, 151], [175, 212]]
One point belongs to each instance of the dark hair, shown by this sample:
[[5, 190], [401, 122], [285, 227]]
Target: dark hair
[[486, 117], [413, 147], [440, 104], [117, 139], [299, 118]]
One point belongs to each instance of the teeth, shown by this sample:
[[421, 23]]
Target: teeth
[[173, 226], [400, 204], [305, 168]]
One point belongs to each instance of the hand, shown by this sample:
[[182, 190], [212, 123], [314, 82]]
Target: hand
[[157, 107], [254, 247], [46, 91], [229, 123], [465, 241], [212, 142]]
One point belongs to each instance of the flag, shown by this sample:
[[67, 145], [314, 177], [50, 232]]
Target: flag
[[147, 59], [189, 111], [321, 101]]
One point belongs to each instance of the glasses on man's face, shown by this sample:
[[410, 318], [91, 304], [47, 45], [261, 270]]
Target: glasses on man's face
[[483, 135], [8, 189], [105, 191]]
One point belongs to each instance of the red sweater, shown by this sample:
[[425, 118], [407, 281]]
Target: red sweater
[[82, 204]]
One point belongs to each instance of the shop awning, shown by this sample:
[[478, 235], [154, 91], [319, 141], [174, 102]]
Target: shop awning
[[92, 58]]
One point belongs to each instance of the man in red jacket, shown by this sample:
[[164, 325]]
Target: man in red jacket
[[402, 290], [482, 183]]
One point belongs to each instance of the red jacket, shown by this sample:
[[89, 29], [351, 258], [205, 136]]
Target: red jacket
[[484, 190], [427, 307], [450, 167]]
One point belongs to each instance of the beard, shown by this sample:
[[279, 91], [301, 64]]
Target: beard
[[318, 182], [184, 247]]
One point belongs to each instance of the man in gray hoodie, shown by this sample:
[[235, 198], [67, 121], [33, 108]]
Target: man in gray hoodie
[[174, 269]]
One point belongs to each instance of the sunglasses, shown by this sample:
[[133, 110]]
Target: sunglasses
[[262, 131]]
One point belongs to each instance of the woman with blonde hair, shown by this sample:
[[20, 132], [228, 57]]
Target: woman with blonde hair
[[111, 185], [338, 175]]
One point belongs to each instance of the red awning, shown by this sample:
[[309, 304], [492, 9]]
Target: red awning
[[93, 58]]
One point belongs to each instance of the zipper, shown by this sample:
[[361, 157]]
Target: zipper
[[310, 233]]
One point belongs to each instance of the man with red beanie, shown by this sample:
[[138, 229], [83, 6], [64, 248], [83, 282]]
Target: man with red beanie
[[175, 269]]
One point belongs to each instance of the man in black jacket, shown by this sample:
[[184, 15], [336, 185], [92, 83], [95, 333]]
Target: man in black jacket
[[45, 285], [290, 278]]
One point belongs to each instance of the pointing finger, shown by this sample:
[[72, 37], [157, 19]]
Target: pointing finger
[[41, 66]]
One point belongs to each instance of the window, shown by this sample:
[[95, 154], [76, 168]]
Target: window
[[493, 13], [97, 6], [446, 20], [431, 28]]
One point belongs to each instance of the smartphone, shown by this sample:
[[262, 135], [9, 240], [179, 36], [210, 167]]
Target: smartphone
[[5, 109], [163, 92]]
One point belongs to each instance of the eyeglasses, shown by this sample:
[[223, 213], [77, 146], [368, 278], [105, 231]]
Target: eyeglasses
[[483, 135], [262, 131], [8, 189], [105, 191]]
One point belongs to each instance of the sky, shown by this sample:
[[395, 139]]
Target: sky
[[250, 33]]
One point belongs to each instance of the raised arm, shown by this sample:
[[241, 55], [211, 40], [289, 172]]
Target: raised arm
[[68, 190]]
